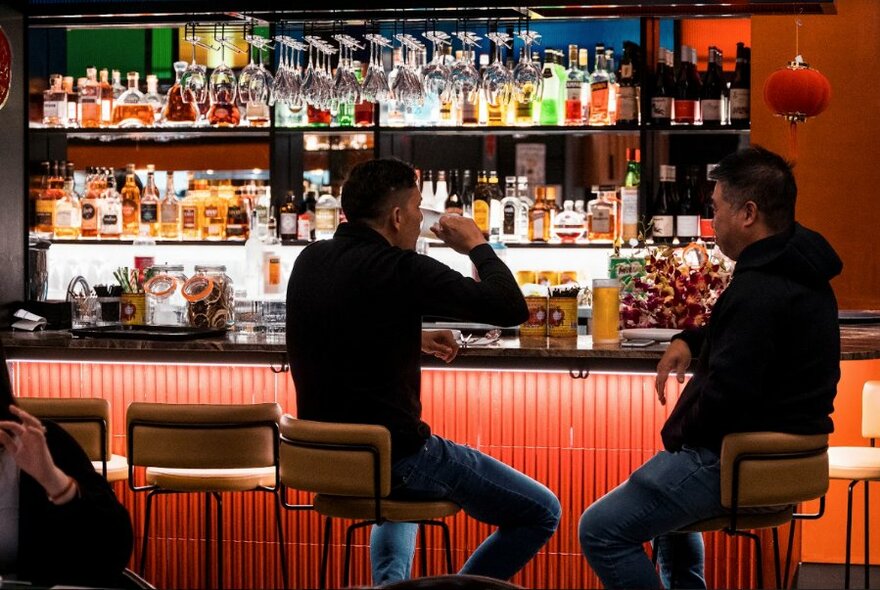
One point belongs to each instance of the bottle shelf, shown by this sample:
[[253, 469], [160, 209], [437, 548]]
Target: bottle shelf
[[157, 134]]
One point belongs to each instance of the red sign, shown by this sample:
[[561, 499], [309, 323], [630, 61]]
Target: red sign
[[5, 68]]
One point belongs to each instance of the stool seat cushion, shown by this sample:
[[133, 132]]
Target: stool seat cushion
[[744, 521], [394, 510], [862, 463], [117, 468], [211, 480]]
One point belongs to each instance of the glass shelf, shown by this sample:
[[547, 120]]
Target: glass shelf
[[157, 134]]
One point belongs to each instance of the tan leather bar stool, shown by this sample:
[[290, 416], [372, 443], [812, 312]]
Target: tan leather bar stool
[[857, 464], [205, 448], [348, 466], [87, 420], [768, 470]]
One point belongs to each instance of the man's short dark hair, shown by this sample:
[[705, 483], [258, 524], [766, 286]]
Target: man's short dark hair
[[759, 175], [367, 192]]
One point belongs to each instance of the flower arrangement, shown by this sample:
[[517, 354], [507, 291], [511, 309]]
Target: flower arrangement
[[678, 290]]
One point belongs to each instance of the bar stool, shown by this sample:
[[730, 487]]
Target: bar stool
[[348, 466], [87, 420], [207, 448], [856, 464], [766, 470]]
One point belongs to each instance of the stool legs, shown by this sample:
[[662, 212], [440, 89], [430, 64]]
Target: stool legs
[[325, 553], [776, 564], [423, 539], [147, 511], [867, 540], [849, 511], [219, 539]]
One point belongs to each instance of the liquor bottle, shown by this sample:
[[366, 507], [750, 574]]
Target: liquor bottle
[[552, 85], [495, 214], [687, 218], [481, 205], [539, 218], [72, 102], [629, 88], [271, 233], [180, 108], [574, 89], [149, 206], [525, 205], [68, 218], [629, 197], [685, 105], [111, 209], [223, 112], [192, 214], [599, 90], [55, 103], [305, 222], [467, 194], [584, 66], [427, 190], [613, 85], [90, 210], [707, 210], [253, 257], [601, 217], [663, 221], [326, 216], [664, 89], [453, 204], [552, 203], [89, 107], [441, 192], [740, 100], [169, 212], [131, 108], [580, 209], [214, 215], [510, 216], [238, 215], [569, 225], [105, 90], [288, 218], [131, 204], [116, 83], [710, 98], [153, 98]]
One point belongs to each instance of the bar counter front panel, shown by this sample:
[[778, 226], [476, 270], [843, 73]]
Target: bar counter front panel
[[577, 419]]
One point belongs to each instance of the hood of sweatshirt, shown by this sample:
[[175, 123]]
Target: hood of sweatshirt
[[798, 253]]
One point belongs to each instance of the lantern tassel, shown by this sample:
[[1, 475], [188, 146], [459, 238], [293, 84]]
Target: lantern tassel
[[792, 140]]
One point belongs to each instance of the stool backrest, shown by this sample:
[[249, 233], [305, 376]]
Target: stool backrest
[[202, 436], [871, 409], [772, 469], [87, 420], [335, 458]]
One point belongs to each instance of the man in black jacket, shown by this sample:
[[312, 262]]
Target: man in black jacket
[[768, 361], [354, 338]]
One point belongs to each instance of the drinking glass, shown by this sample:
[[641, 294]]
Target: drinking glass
[[407, 87], [375, 87], [498, 79], [247, 73], [346, 87], [606, 311], [223, 86], [527, 79], [435, 75], [464, 76], [194, 80]]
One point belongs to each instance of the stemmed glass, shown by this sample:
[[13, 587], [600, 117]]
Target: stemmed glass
[[375, 87], [527, 79], [194, 80], [435, 75], [407, 86], [346, 87], [464, 76], [498, 79]]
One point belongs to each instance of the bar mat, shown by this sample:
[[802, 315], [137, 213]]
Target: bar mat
[[147, 332]]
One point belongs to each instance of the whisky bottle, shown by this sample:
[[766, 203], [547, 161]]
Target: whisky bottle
[[169, 213], [55, 103], [89, 107], [180, 105], [326, 216], [131, 204], [192, 215], [601, 218], [600, 83], [574, 89], [91, 203], [153, 98], [214, 215], [117, 85], [539, 218], [111, 209], [72, 102], [68, 218], [238, 211], [149, 210], [44, 218], [481, 205], [131, 108], [105, 90]]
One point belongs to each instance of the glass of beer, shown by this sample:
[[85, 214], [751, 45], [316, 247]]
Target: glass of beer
[[606, 311]]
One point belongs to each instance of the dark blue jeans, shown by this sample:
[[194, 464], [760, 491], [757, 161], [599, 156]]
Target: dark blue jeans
[[670, 491], [525, 512]]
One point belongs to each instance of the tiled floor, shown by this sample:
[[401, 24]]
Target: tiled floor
[[825, 575]]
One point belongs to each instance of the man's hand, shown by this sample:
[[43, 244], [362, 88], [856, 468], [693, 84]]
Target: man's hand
[[440, 343], [459, 233], [676, 358]]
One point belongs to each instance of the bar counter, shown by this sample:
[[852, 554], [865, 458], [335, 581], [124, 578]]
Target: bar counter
[[575, 417]]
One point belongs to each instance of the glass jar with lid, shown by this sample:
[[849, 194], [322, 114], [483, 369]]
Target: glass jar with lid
[[166, 305], [210, 298]]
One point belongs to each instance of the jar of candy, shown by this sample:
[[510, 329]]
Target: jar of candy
[[210, 298], [165, 303]]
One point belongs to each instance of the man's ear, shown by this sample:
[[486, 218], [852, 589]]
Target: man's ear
[[395, 217], [750, 213]]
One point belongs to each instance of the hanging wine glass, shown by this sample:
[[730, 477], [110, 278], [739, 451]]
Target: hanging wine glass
[[498, 79], [435, 75], [223, 88], [527, 79], [194, 80], [464, 76], [375, 87]]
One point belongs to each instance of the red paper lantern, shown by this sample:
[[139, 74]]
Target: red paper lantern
[[797, 92]]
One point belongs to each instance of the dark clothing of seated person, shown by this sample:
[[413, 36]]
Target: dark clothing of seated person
[[768, 360], [60, 522], [354, 338]]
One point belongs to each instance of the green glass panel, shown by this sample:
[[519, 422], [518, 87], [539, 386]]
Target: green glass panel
[[162, 58], [114, 49]]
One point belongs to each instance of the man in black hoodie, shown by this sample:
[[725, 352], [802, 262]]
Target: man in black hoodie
[[768, 360]]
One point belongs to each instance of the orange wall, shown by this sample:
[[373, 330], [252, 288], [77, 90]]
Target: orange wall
[[836, 173]]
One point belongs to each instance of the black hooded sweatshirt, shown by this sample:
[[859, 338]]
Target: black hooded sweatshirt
[[769, 358]]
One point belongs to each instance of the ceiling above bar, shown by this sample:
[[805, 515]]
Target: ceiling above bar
[[137, 13]]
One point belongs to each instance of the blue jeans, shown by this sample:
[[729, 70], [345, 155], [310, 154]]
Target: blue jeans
[[525, 512], [670, 491]]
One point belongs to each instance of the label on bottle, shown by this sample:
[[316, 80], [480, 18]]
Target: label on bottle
[[288, 225], [573, 90], [54, 110], [684, 111], [63, 218], [688, 226], [663, 226], [629, 212], [508, 219], [45, 213], [189, 216], [149, 212], [129, 210], [538, 226], [89, 216], [109, 222], [739, 104], [707, 230], [598, 99], [711, 110], [627, 104], [304, 228], [212, 211], [481, 215], [661, 107], [169, 212], [236, 230], [105, 110], [326, 219]]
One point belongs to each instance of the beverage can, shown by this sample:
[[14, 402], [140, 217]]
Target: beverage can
[[536, 325]]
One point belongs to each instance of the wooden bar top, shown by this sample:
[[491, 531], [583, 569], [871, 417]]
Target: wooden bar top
[[858, 342]]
